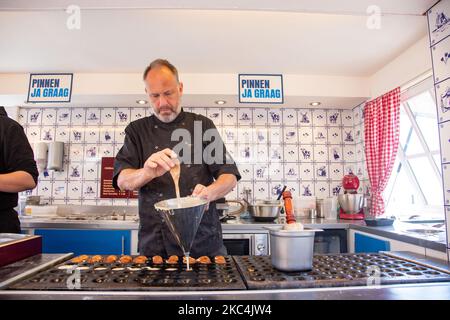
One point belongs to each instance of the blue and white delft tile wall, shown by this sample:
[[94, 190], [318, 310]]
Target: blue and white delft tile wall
[[439, 33], [309, 150]]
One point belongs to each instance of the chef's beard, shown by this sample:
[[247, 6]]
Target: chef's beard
[[167, 117]]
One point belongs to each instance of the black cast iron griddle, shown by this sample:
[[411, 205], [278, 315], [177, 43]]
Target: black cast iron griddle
[[337, 271], [136, 277]]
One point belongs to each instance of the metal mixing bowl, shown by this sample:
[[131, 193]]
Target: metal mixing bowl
[[265, 210], [351, 203]]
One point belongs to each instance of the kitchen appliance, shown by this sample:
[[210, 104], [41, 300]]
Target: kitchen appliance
[[265, 210], [351, 203], [183, 216], [341, 270], [15, 247], [246, 243], [292, 250]]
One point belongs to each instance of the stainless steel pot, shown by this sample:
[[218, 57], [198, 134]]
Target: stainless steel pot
[[292, 250], [265, 210]]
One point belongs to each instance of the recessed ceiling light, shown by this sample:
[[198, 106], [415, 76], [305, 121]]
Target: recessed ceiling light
[[315, 104], [220, 102], [141, 101]]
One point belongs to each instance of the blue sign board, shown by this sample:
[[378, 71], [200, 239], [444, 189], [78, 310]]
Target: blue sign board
[[50, 87], [261, 88]]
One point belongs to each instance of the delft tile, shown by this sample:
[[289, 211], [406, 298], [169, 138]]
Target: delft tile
[[122, 116], [244, 135], [305, 135], [92, 135], [349, 168], [91, 170], [63, 116], [22, 116], [245, 185], [34, 117], [438, 23], [62, 134], [444, 132], [347, 118], [149, 112], [75, 171], [275, 188], [307, 189], [322, 190], [306, 171], [294, 189], [275, 153], [59, 190], [291, 171], [290, 153], [359, 133], [443, 100], [48, 134], [260, 135], [76, 152], [275, 117], [348, 135], [336, 171], [336, 188], [137, 113], [289, 117], [261, 153], [77, 134], [44, 189], [335, 153], [45, 176], [78, 116], [93, 116], [215, 114], [349, 153], [290, 135], [335, 135], [49, 116], [275, 135], [117, 147], [261, 172], [33, 134], [74, 190], [357, 115], [260, 116], [107, 135], [306, 153], [359, 171], [359, 152], [231, 149], [319, 118], [229, 116], [321, 171], [246, 171], [446, 178], [245, 116], [230, 134], [201, 111], [441, 60], [119, 135], [321, 153], [245, 153], [275, 171], [105, 151], [320, 135], [61, 175], [261, 190], [334, 118], [304, 117], [89, 190], [108, 116]]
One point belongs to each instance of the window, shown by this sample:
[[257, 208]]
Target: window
[[415, 185]]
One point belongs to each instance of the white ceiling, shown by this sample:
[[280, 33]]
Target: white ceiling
[[290, 37]]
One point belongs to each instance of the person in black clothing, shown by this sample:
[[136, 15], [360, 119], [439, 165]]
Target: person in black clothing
[[148, 153], [18, 171]]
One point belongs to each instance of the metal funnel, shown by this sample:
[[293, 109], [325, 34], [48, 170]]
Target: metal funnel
[[182, 216]]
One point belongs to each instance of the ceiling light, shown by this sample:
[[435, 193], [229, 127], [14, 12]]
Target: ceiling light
[[141, 101], [220, 102], [315, 104]]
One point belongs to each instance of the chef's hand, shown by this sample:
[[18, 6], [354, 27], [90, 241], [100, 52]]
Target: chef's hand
[[160, 162], [203, 192]]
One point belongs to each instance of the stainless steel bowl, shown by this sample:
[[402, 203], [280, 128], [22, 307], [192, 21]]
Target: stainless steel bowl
[[265, 210], [351, 203]]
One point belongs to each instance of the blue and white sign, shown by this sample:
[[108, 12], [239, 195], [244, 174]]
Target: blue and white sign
[[50, 87], [261, 88]]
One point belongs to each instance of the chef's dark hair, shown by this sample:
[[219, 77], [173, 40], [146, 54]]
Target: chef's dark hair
[[158, 63]]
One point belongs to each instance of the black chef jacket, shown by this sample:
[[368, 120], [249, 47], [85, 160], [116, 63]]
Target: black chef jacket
[[146, 136], [15, 155]]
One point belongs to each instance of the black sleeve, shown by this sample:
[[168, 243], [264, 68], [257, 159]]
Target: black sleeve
[[225, 163], [127, 157], [19, 154]]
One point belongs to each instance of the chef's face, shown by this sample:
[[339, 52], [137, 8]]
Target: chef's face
[[164, 92]]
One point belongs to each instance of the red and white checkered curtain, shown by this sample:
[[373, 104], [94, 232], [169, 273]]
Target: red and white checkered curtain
[[381, 133]]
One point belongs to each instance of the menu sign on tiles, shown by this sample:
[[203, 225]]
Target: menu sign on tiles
[[261, 88], [106, 188], [50, 87]]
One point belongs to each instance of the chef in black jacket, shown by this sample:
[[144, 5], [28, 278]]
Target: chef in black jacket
[[18, 171], [144, 161]]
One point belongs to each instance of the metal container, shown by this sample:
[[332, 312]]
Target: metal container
[[292, 250], [351, 203], [265, 210]]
